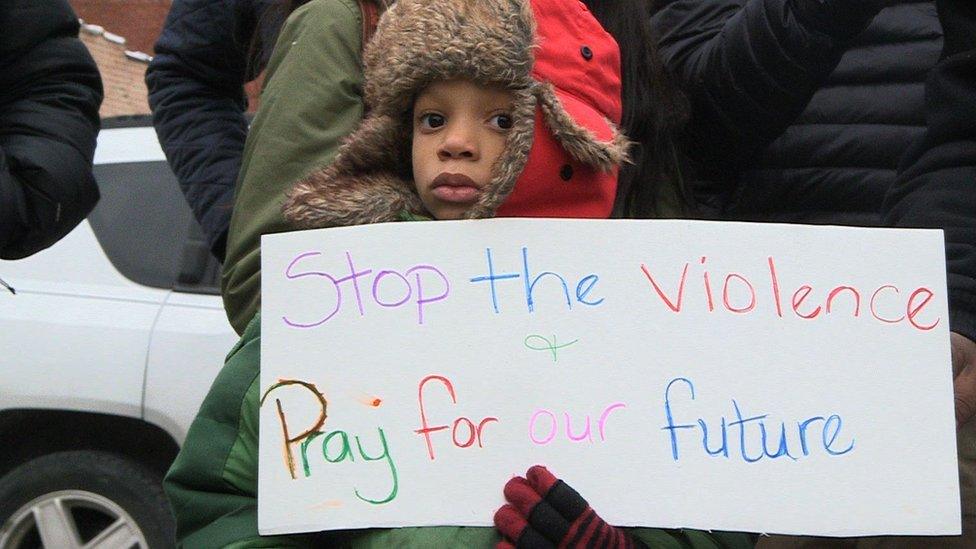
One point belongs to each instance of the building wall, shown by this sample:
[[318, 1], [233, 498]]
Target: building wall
[[122, 76], [139, 22]]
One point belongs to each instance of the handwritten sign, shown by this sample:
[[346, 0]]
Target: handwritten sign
[[732, 376]]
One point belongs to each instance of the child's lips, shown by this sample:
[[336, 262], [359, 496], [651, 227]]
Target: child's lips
[[455, 187]]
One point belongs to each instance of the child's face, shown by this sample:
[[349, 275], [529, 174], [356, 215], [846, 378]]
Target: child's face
[[459, 131]]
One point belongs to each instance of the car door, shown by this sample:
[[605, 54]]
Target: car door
[[76, 333]]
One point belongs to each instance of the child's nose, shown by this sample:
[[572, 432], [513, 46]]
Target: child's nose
[[459, 143]]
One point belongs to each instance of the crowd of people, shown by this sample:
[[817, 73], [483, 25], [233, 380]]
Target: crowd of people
[[844, 112]]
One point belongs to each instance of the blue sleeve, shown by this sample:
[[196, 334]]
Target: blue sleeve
[[197, 97]]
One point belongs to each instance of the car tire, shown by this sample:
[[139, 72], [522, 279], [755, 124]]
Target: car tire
[[84, 494]]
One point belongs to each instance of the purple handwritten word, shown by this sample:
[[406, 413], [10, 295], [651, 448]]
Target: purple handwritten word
[[413, 285]]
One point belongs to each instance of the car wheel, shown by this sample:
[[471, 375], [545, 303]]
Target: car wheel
[[83, 499]]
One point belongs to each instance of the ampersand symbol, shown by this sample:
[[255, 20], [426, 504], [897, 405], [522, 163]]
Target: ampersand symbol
[[546, 345]]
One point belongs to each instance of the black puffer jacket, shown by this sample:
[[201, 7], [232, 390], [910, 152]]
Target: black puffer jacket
[[196, 92], [50, 92], [840, 105], [801, 113], [937, 187]]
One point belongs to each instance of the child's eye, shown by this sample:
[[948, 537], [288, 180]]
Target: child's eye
[[431, 121], [502, 121]]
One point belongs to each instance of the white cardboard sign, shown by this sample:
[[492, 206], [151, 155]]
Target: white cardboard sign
[[731, 376]]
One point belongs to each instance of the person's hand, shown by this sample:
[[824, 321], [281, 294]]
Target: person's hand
[[963, 377], [545, 512]]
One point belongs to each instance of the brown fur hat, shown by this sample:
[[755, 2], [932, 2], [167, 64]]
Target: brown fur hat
[[418, 42]]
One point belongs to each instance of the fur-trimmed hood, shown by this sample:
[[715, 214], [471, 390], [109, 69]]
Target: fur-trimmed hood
[[417, 42]]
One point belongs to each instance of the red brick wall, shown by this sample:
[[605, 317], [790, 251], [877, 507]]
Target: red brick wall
[[139, 21]]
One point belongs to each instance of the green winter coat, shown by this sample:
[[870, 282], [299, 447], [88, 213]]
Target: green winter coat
[[311, 100], [212, 485]]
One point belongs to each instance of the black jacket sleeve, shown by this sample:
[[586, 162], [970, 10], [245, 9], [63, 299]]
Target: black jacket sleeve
[[50, 92], [196, 93], [937, 182], [751, 66]]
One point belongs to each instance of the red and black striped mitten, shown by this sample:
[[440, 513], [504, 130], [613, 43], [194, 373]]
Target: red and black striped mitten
[[545, 512]]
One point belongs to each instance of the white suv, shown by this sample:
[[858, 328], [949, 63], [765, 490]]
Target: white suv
[[107, 349]]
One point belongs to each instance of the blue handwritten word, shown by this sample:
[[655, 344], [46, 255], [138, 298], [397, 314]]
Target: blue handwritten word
[[411, 285], [546, 345], [757, 437], [583, 288]]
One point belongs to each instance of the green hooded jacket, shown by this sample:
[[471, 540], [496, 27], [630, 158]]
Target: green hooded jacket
[[212, 485]]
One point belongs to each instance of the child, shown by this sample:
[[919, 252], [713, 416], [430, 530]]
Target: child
[[501, 107], [562, 146]]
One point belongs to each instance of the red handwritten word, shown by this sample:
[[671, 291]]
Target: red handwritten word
[[739, 296], [473, 432]]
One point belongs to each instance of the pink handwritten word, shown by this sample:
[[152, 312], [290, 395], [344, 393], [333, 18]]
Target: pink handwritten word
[[553, 425]]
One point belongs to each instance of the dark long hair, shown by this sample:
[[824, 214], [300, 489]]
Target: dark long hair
[[655, 113], [265, 34]]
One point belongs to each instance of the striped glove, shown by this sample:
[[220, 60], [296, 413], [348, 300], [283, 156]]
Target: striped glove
[[545, 512]]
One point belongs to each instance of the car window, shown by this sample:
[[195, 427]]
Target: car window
[[146, 228]]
